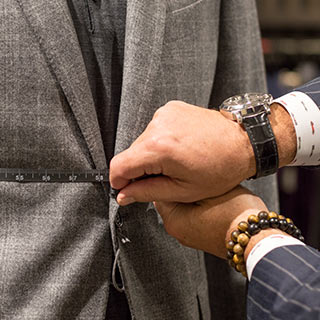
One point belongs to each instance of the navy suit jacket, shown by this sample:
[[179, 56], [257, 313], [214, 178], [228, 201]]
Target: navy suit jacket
[[285, 284]]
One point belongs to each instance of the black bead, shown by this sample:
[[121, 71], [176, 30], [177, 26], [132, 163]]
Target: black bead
[[263, 224], [296, 233], [263, 215], [283, 224], [301, 238], [274, 223], [253, 229], [230, 254], [290, 228]]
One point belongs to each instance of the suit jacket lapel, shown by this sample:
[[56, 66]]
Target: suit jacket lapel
[[143, 47], [53, 26]]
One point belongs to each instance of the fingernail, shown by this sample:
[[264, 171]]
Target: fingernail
[[124, 201]]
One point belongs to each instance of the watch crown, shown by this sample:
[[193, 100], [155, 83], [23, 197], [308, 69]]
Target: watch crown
[[238, 116]]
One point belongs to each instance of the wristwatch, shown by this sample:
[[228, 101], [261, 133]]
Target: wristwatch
[[251, 110]]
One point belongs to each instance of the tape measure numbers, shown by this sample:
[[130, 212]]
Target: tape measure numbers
[[50, 175]]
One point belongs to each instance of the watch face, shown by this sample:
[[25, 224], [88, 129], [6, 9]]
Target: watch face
[[246, 105], [245, 101]]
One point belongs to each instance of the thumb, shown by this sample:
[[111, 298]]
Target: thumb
[[133, 163], [160, 188]]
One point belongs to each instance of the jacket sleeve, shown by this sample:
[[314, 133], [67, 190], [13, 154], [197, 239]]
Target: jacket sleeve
[[240, 64], [286, 285], [312, 89]]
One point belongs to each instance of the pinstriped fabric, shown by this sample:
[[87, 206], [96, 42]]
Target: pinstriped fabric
[[286, 283], [312, 89]]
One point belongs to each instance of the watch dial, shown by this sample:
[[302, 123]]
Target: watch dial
[[244, 101]]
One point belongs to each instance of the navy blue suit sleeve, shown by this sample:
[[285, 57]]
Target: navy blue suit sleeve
[[312, 89], [285, 284]]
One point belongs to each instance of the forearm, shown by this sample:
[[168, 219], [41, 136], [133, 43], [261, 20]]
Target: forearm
[[284, 132], [283, 129]]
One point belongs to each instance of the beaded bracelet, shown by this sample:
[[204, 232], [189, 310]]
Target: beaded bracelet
[[245, 230]]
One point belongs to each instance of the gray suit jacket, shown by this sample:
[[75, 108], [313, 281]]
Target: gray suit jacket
[[57, 240]]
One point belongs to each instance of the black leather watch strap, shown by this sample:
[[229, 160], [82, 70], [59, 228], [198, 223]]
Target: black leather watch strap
[[264, 144]]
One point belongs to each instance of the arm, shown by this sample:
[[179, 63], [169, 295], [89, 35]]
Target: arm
[[282, 281], [286, 283], [194, 150]]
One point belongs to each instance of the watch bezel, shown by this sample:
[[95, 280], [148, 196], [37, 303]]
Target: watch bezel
[[245, 105]]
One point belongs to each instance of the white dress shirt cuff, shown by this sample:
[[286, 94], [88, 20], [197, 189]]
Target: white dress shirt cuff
[[305, 115], [265, 246]]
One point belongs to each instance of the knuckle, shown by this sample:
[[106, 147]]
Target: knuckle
[[172, 103], [175, 104], [158, 143], [115, 165], [169, 104], [159, 112]]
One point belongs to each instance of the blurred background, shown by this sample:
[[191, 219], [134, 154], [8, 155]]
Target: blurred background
[[291, 43]]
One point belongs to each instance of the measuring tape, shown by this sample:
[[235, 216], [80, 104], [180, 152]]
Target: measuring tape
[[50, 175]]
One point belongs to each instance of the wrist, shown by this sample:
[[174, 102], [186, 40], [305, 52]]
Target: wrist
[[258, 237], [285, 136], [249, 232], [284, 132], [249, 168], [251, 111]]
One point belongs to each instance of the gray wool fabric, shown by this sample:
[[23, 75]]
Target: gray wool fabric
[[100, 26], [57, 240]]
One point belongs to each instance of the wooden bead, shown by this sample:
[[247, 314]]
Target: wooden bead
[[238, 249], [281, 217], [241, 267], [253, 219], [289, 220], [247, 234], [238, 259], [244, 274], [234, 235], [272, 215], [243, 239], [263, 215], [243, 226], [232, 264], [230, 244]]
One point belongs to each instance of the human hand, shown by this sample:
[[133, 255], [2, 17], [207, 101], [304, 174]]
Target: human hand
[[207, 224], [196, 152]]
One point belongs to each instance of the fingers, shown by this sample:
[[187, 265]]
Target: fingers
[[161, 188], [133, 163]]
